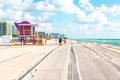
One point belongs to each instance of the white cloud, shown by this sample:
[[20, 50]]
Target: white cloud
[[98, 17], [13, 9], [1, 4], [44, 6], [2, 14], [103, 8], [47, 27], [9, 14], [72, 30], [47, 9], [66, 6], [117, 24], [43, 18], [81, 15], [27, 4], [27, 16], [112, 29], [18, 15], [48, 13], [84, 27], [113, 10], [108, 30], [95, 16], [17, 4], [86, 5], [12, 4]]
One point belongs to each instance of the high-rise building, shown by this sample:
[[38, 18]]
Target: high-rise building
[[54, 35], [14, 30], [62, 35], [5, 28]]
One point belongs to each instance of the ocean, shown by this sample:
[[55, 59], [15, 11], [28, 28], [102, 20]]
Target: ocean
[[111, 42]]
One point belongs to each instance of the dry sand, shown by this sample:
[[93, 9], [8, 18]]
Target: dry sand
[[98, 62], [15, 60], [108, 53]]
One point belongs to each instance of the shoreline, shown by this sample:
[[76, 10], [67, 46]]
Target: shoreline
[[107, 45], [107, 42]]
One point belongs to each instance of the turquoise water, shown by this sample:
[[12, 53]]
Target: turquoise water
[[112, 42]]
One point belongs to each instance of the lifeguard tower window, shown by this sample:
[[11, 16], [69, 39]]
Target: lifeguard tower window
[[25, 30]]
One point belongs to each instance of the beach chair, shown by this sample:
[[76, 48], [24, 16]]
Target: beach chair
[[26, 32]]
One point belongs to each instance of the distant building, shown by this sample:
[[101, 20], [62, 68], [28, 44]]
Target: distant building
[[42, 34], [57, 35], [62, 35], [54, 35], [5, 28], [14, 30], [46, 34]]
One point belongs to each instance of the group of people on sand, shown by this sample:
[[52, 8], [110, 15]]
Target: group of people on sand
[[60, 41]]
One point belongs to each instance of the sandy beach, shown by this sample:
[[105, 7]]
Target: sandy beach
[[98, 62], [15, 60], [76, 61]]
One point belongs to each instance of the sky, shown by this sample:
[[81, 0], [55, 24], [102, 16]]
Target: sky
[[74, 18]]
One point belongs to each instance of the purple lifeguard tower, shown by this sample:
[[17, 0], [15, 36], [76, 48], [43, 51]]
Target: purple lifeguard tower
[[26, 29]]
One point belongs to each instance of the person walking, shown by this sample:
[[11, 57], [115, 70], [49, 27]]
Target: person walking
[[64, 41], [60, 41]]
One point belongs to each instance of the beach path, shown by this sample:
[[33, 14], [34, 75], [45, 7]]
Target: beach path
[[92, 67], [53, 67]]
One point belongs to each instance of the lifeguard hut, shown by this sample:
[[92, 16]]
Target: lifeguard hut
[[26, 32]]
